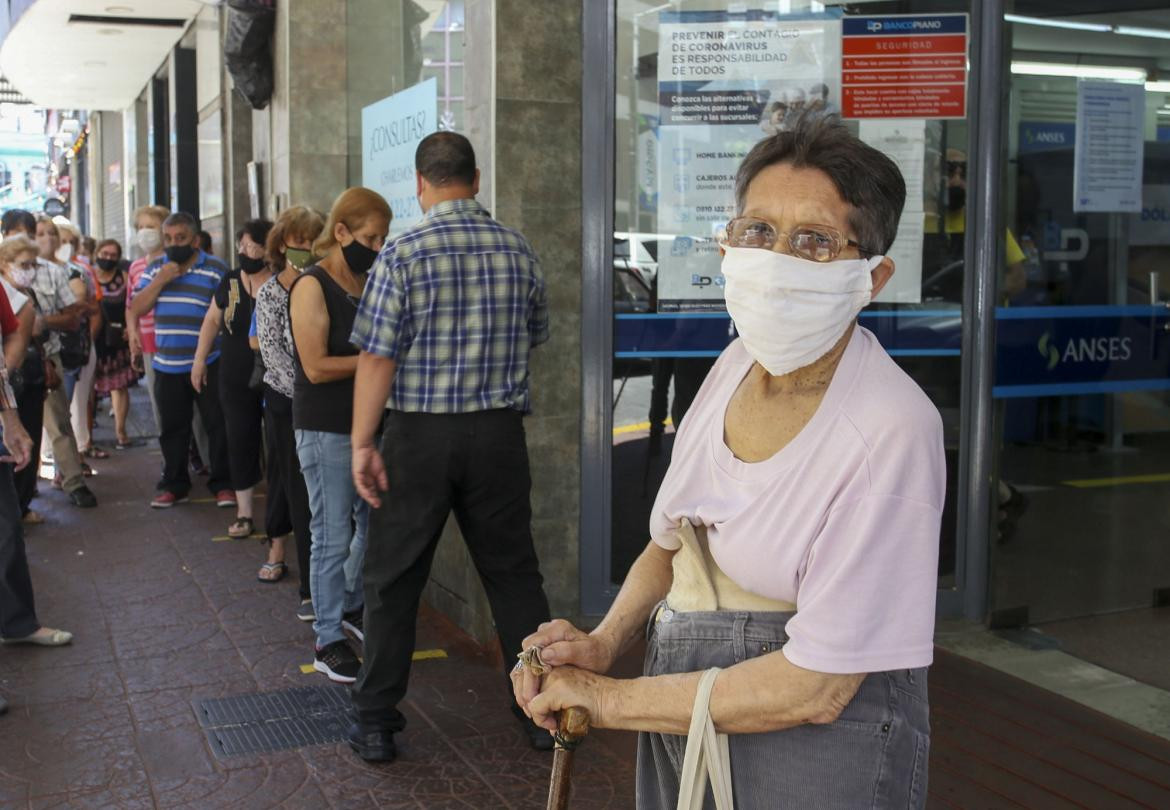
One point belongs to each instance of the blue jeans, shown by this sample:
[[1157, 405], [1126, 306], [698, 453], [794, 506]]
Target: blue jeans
[[338, 527]]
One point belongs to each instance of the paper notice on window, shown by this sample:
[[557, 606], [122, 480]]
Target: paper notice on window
[[1107, 170], [904, 142]]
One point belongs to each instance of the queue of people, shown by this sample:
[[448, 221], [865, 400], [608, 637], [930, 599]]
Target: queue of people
[[787, 590]]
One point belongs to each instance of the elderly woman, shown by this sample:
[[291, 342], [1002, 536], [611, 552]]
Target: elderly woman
[[794, 539]]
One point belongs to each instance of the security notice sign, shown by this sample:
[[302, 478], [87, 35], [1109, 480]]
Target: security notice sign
[[904, 66]]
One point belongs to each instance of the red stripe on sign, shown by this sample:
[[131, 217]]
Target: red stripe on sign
[[904, 101], [912, 62], [947, 43], [903, 76]]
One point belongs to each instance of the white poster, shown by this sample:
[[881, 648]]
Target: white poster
[[904, 142], [1107, 168], [391, 131], [725, 81]]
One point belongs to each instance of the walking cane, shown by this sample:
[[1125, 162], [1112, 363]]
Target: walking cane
[[572, 726]]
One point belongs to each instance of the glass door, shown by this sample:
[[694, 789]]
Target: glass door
[[696, 84], [1083, 358]]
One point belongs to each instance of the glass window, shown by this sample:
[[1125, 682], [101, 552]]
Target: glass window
[[1083, 355], [698, 83]]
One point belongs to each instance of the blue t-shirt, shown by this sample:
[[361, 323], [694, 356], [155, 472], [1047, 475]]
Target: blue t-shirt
[[179, 312]]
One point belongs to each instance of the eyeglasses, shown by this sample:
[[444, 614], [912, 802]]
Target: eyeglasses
[[817, 243]]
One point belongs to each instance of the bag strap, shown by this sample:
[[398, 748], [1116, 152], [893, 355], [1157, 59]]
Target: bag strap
[[707, 755]]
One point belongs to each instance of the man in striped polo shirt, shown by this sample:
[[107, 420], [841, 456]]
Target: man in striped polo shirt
[[179, 287]]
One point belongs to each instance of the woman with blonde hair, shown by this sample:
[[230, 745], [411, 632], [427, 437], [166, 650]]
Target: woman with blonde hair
[[288, 250], [324, 301]]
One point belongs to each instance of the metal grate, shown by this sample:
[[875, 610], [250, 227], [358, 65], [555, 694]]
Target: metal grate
[[274, 721]]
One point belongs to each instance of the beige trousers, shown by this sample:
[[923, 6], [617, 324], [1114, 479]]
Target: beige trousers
[[60, 431]]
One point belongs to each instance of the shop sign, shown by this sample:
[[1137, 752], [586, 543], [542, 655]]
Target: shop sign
[[904, 66], [391, 131], [64, 184], [1063, 351], [1110, 135], [1046, 136]]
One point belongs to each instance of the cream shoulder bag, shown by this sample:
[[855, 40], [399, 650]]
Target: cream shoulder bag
[[706, 756]]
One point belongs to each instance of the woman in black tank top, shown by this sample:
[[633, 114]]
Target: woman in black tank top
[[322, 307]]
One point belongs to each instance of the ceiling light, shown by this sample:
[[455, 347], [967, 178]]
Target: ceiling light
[[1048, 23], [1122, 74], [94, 63], [1133, 31], [1158, 87], [109, 32], [119, 10]]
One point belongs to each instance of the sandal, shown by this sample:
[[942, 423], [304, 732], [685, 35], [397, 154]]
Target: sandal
[[275, 570], [241, 528], [126, 444], [93, 451], [45, 637]]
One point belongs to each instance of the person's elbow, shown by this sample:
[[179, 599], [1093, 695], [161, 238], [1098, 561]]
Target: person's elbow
[[314, 374]]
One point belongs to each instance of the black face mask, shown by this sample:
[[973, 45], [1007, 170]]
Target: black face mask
[[250, 265], [359, 257], [107, 264], [180, 253], [956, 198]]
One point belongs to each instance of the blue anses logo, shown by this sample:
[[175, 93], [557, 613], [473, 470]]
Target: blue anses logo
[[1048, 351], [1085, 350]]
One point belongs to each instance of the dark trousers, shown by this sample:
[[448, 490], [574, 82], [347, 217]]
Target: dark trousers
[[475, 465], [176, 401], [243, 409], [18, 616], [286, 484], [32, 415]]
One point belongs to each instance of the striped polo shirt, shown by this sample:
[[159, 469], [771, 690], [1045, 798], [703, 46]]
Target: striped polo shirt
[[179, 311]]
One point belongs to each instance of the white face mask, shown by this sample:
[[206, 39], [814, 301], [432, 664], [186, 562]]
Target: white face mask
[[22, 277], [149, 239], [64, 253], [791, 311]]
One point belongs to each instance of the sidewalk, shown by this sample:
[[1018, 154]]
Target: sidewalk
[[167, 613]]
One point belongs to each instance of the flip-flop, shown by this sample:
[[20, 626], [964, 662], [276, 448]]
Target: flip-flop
[[126, 445], [55, 638], [241, 528], [281, 567], [93, 451]]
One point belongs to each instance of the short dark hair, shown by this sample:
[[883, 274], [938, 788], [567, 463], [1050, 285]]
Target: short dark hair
[[864, 177], [257, 230], [183, 218], [18, 219], [445, 158]]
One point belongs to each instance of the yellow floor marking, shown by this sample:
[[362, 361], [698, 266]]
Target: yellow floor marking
[[1089, 483], [635, 428], [419, 655]]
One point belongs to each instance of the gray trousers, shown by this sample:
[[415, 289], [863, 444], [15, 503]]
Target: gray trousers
[[874, 756]]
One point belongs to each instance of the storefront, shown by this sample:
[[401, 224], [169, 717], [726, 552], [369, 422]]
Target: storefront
[[1026, 302]]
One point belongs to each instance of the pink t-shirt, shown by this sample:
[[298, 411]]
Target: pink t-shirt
[[145, 322], [843, 521]]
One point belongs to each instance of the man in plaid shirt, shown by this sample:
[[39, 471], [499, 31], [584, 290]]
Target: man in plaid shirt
[[449, 315]]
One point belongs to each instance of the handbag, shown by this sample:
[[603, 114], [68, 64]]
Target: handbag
[[707, 755]]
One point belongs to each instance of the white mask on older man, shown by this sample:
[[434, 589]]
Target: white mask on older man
[[791, 311]]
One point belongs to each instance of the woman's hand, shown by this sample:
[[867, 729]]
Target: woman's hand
[[198, 375], [562, 644], [565, 687]]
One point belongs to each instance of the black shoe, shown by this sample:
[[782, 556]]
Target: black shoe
[[353, 622], [3, 706], [538, 738], [338, 662], [372, 746], [83, 497]]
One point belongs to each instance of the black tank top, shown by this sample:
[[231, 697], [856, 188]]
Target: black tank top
[[327, 407]]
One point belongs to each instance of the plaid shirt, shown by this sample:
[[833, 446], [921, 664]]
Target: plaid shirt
[[458, 300]]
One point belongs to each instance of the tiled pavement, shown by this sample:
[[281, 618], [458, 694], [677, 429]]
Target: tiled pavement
[[163, 615]]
